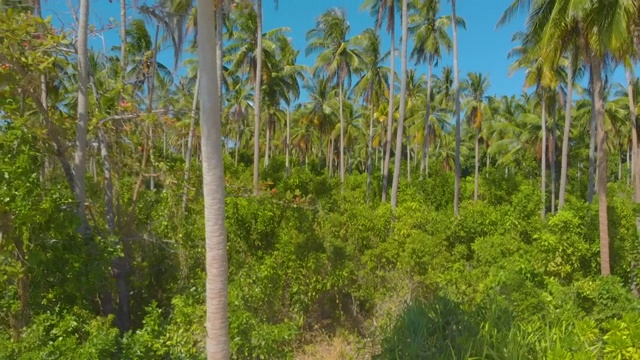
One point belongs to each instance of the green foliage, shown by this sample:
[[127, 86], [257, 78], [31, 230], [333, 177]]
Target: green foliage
[[64, 335]]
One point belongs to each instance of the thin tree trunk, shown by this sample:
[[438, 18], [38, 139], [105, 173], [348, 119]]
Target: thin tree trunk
[[635, 152], [477, 173], [488, 163], [456, 86], [634, 268], [597, 91], [552, 164], [620, 166], [192, 132], [543, 159], [403, 106], [370, 146], [123, 69], [80, 160], [424, 162], [256, 100], [387, 155], [267, 143], [564, 166], [341, 100], [152, 84], [238, 144], [629, 160], [592, 155], [408, 161], [329, 157], [217, 343], [123, 38], [288, 169]]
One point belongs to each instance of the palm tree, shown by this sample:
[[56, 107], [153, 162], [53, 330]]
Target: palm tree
[[337, 59], [403, 104], [456, 86], [476, 110], [213, 189], [292, 74], [83, 116], [379, 10], [256, 100], [320, 110], [371, 85], [430, 38], [604, 26]]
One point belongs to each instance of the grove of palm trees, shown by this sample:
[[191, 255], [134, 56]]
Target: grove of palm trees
[[179, 183]]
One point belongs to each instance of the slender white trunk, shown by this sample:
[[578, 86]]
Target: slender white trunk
[[477, 173], [123, 38], [370, 147], [408, 161], [256, 100], [543, 159], [552, 164], [635, 151], [217, 342], [403, 106], [288, 139], [80, 159], [601, 183], [267, 144], [564, 166], [456, 87], [189, 151], [424, 163], [387, 155], [341, 100]]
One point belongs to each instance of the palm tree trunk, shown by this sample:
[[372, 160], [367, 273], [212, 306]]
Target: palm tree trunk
[[620, 166], [219, 46], [597, 91], [330, 150], [370, 149], [238, 144], [477, 173], [408, 160], [552, 164], [564, 166], [424, 162], [403, 106], [152, 83], [592, 154], [635, 152], [288, 140], [80, 159], [267, 143], [387, 155], [341, 100], [456, 86], [123, 37], [629, 169], [217, 342], [488, 163], [192, 132], [256, 100], [543, 159]]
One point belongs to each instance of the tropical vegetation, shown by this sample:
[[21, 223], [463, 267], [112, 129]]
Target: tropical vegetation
[[234, 203]]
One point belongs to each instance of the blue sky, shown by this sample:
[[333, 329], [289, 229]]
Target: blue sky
[[482, 48]]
